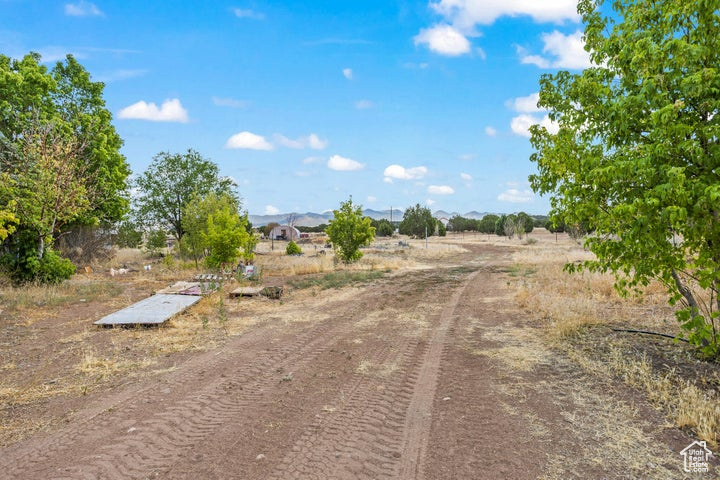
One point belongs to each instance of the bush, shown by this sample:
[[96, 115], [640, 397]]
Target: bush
[[441, 230], [156, 241], [293, 249], [50, 269], [384, 228]]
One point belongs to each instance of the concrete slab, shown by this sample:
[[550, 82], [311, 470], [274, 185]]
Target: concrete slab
[[153, 310]]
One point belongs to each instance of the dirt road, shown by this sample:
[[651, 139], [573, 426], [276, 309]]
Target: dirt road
[[426, 374]]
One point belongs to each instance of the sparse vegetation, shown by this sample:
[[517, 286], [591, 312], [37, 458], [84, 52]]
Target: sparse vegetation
[[337, 279]]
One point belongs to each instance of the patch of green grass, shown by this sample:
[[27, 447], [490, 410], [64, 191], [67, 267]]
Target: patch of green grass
[[519, 271], [337, 279]]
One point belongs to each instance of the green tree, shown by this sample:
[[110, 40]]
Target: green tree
[[224, 236], [349, 230], [487, 223], [500, 225], [60, 162], [198, 240], [156, 241], [66, 99], [417, 221], [248, 246], [170, 182], [440, 229], [128, 235], [383, 227], [461, 224], [8, 220], [526, 222], [636, 157]]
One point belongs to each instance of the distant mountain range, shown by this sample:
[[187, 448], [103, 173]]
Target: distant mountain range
[[311, 219]]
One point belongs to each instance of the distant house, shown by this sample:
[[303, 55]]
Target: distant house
[[285, 232]]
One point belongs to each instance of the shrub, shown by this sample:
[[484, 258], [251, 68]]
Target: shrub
[[293, 248]]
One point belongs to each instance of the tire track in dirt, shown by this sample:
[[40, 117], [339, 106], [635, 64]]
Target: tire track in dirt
[[159, 440], [419, 413], [134, 439], [375, 435], [97, 426]]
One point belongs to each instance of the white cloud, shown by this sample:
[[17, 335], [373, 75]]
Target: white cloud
[[467, 156], [443, 39], [82, 9], [429, 202], [248, 13], [289, 143], [229, 102], [121, 74], [364, 104], [311, 141], [466, 176], [514, 195], [399, 172], [170, 111], [490, 131], [561, 51], [270, 210], [526, 104], [371, 199], [311, 160], [316, 143], [521, 124], [348, 73], [440, 190], [249, 141], [465, 14], [343, 164]]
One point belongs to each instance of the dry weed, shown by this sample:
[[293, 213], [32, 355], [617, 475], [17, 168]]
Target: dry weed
[[369, 368], [104, 367], [567, 305]]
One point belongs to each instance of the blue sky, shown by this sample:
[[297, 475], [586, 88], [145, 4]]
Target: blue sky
[[306, 103]]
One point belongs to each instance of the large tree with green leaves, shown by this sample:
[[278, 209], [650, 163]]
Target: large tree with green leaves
[[418, 221], [637, 155], [66, 100], [349, 230], [214, 226], [60, 162], [170, 182]]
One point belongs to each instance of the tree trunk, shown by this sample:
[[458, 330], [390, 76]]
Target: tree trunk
[[686, 293]]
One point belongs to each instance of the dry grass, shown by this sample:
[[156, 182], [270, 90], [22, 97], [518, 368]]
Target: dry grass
[[570, 307], [77, 290], [100, 367], [685, 403], [373, 369]]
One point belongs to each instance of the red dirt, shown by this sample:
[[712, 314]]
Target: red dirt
[[401, 382]]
